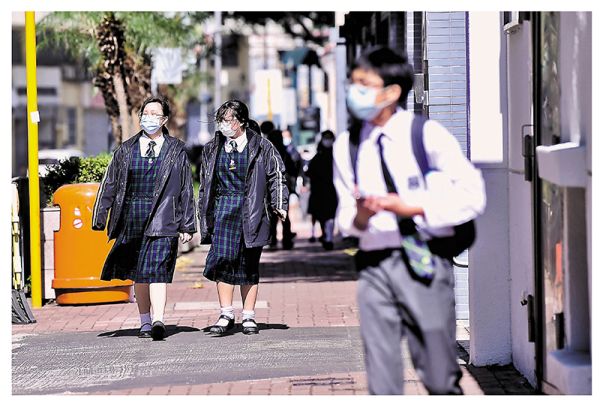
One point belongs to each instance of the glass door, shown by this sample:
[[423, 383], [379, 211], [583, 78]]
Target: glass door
[[548, 197]]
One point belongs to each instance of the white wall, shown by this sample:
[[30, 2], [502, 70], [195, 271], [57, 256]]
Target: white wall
[[519, 97], [489, 278]]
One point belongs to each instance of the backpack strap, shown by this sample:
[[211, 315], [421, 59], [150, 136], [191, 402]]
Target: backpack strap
[[418, 147]]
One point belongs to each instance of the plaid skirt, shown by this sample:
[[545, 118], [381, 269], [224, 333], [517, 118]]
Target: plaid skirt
[[228, 259], [137, 257]]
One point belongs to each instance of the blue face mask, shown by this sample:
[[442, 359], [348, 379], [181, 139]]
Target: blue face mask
[[150, 124], [361, 102]]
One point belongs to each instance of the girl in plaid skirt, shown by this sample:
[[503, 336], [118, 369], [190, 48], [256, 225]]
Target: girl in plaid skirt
[[148, 189], [241, 187]]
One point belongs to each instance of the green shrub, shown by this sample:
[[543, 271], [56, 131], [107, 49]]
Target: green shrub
[[75, 170], [64, 172], [92, 169]]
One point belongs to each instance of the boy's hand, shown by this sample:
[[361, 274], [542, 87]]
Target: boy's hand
[[393, 203], [366, 207]]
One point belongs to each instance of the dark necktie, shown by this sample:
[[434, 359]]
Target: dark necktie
[[150, 152], [233, 145]]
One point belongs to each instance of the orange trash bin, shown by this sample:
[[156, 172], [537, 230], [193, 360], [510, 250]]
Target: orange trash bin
[[80, 252]]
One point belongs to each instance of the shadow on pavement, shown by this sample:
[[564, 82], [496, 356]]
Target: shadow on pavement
[[307, 263], [495, 379], [237, 329], [133, 332]]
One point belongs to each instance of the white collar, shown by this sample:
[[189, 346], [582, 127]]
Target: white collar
[[240, 142], [390, 128], [159, 139]]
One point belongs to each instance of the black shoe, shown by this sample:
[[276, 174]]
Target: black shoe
[[158, 331], [328, 245], [219, 329], [144, 333], [249, 327], [287, 244], [312, 239]]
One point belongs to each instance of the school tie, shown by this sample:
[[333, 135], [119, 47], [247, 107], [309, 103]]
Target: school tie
[[150, 152], [415, 252], [233, 145]]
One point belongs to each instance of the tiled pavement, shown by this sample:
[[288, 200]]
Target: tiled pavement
[[303, 288]]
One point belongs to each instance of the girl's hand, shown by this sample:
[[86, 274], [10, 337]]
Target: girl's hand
[[185, 237]]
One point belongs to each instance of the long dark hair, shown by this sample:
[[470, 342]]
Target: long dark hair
[[238, 109], [161, 100]]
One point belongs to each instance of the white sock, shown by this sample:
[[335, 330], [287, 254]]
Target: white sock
[[225, 311], [247, 315], [146, 321]]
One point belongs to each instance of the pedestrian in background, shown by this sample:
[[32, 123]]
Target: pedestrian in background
[[266, 127], [148, 190], [287, 242], [322, 202], [241, 188], [397, 295]]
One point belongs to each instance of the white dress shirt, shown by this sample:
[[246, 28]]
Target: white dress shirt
[[241, 142], [144, 144], [455, 193]]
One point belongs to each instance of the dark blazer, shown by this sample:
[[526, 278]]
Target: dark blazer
[[265, 190], [173, 202]]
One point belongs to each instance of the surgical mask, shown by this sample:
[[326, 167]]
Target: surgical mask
[[361, 102], [226, 129], [327, 143], [150, 124], [287, 141]]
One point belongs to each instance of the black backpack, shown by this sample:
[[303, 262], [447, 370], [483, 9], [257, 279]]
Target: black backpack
[[464, 234]]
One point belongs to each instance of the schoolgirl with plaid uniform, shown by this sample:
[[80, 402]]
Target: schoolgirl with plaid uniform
[[242, 187], [148, 190]]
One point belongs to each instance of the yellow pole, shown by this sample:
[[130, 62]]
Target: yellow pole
[[269, 109], [34, 188]]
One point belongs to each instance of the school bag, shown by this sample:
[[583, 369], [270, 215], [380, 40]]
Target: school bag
[[445, 247]]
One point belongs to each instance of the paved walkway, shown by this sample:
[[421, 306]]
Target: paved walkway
[[309, 339]]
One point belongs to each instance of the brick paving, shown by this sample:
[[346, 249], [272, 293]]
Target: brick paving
[[303, 287]]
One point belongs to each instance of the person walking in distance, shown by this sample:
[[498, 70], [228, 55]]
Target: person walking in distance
[[148, 190], [322, 202], [241, 188], [397, 212], [287, 242]]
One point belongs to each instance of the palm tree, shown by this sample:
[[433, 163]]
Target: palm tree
[[117, 48]]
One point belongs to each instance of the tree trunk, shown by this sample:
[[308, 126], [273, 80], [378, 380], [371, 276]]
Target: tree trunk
[[124, 117], [135, 121], [116, 129]]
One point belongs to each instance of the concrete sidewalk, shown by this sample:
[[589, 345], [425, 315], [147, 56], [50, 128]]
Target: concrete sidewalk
[[309, 339]]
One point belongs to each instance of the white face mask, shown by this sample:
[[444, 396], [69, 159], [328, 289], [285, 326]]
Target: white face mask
[[287, 141], [150, 124], [361, 102], [226, 129]]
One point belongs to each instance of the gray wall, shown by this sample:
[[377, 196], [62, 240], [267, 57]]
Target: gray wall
[[446, 51], [447, 56], [96, 132]]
